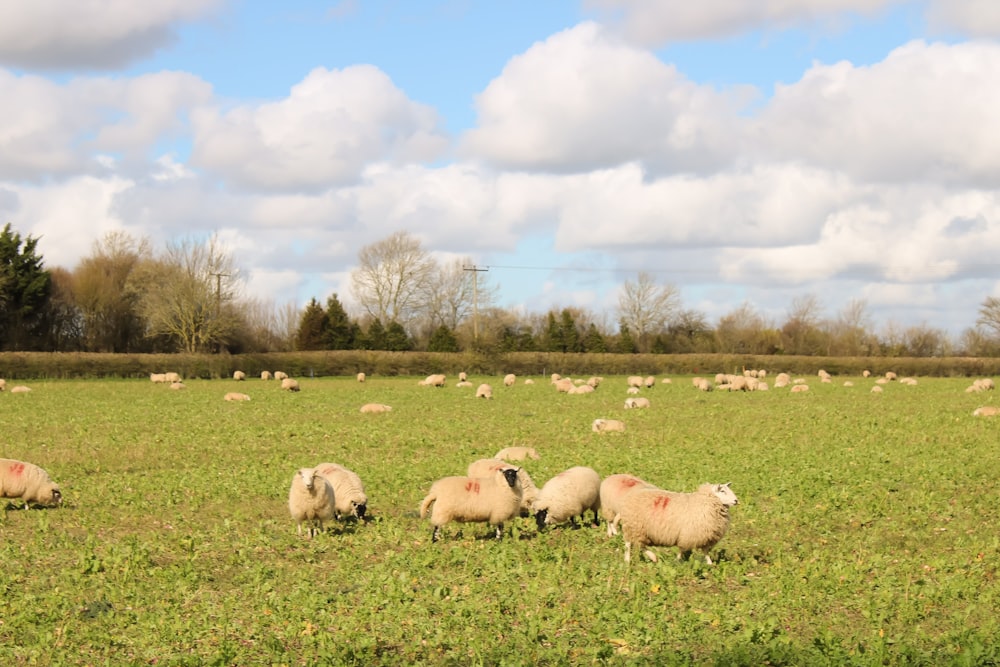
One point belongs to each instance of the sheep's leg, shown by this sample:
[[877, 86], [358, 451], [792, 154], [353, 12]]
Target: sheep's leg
[[650, 555], [499, 531], [628, 551], [435, 534]]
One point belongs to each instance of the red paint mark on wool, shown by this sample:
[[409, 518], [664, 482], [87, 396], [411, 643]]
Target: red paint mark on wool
[[629, 482], [472, 487], [661, 502], [16, 469]]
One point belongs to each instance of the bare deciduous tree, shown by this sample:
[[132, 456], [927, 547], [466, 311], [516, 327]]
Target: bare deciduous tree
[[646, 307], [392, 278], [453, 289]]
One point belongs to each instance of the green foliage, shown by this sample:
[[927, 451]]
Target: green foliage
[[25, 286], [313, 327], [341, 332], [396, 339], [443, 340]]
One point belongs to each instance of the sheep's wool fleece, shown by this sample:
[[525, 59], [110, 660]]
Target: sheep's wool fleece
[[688, 521], [27, 481]]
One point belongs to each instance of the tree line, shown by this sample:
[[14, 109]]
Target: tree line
[[187, 297]]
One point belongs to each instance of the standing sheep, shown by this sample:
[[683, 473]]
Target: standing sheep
[[265, 375], [28, 482], [567, 496], [348, 490], [613, 490], [509, 380], [311, 500], [517, 453], [486, 468], [491, 500], [484, 391], [607, 426], [239, 376], [635, 381], [290, 384], [688, 521], [280, 375], [361, 377], [436, 380]]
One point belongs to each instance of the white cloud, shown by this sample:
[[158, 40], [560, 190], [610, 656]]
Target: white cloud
[[332, 124], [89, 34]]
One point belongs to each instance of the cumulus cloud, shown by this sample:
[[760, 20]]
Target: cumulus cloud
[[95, 34], [332, 124]]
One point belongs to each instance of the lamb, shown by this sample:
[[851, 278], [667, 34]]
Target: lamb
[[361, 377], [236, 396], [375, 408], [28, 482], [492, 500], [484, 391], [486, 467], [509, 380], [567, 496], [688, 521], [311, 500], [613, 490], [986, 411], [239, 376], [517, 453], [348, 490], [640, 402], [290, 384], [607, 426]]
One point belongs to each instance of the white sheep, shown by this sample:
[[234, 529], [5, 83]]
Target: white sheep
[[236, 396], [20, 389], [799, 388], [239, 376], [311, 500], [509, 380], [986, 411], [280, 375], [582, 389], [613, 490], [158, 378], [28, 482], [607, 426], [436, 380], [649, 382], [567, 496], [178, 385], [375, 408], [564, 385], [517, 454], [463, 377], [290, 384], [640, 402], [491, 500], [348, 490], [3, 384], [172, 377], [688, 521], [529, 381], [634, 381], [486, 468], [463, 383], [361, 377], [484, 391], [265, 375]]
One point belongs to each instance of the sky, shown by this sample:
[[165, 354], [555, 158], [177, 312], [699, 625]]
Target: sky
[[742, 151]]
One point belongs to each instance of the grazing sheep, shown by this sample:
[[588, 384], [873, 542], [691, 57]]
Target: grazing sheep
[[509, 380], [177, 385], [280, 375], [607, 426], [986, 411], [348, 490], [486, 468], [634, 381], [436, 380], [567, 496], [158, 378], [290, 384], [689, 521], [877, 389], [613, 490], [782, 380], [239, 376], [492, 500], [564, 385], [265, 375], [704, 385], [28, 482], [890, 376], [20, 389], [374, 408], [640, 402], [171, 377], [517, 454], [462, 377], [361, 377], [484, 391], [311, 500], [236, 396], [649, 382]]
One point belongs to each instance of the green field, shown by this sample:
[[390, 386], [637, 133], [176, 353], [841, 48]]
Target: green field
[[866, 532]]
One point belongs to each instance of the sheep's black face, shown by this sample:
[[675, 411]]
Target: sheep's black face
[[540, 518], [510, 474], [360, 510], [56, 497]]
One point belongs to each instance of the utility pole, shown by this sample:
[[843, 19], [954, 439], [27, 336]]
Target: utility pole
[[475, 298], [218, 300]]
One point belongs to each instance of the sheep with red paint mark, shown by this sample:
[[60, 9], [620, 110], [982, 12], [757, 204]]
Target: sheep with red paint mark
[[349, 494], [567, 496], [613, 490], [493, 500], [486, 467], [688, 521], [311, 500], [19, 479]]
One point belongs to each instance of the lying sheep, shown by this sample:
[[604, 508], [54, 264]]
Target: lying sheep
[[486, 468], [517, 454], [375, 408], [236, 396], [567, 496], [632, 390], [529, 381], [463, 383], [28, 482], [290, 384], [688, 521], [178, 385], [239, 376], [799, 388], [582, 389], [3, 384], [564, 385], [348, 490], [640, 402], [509, 380], [492, 500], [613, 490], [361, 377], [607, 426], [20, 389], [986, 411], [484, 391], [311, 500]]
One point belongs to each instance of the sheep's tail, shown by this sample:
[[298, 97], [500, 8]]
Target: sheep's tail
[[425, 505]]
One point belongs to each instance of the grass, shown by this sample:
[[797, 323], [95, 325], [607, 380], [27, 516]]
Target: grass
[[865, 533]]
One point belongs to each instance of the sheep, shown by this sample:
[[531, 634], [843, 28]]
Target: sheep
[[3, 384], [348, 490], [492, 500], [799, 388], [613, 490], [517, 454], [595, 381], [564, 385], [866, 373], [172, 377], [688, 521], [311, 500], [704, 385], [436, 380], [20, 389], [666, 381], [28, 482], [636, 403], [529, 381], [236, 396], [486, 467], [361, 377], [158, 378], [581, 389], [280, 375], [463, 383], [986, 411], [239, 376], [876, 389], [632, 390], [509, 380], [375, 408], [265, 375], [290, 384], [177, 385], [607, 426], [890, 376], [567, 496], [634, 381], [484, 391], [649, 382], [462, 377], [555, 377]]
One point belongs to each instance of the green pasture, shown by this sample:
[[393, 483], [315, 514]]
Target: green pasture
[[866, 532]]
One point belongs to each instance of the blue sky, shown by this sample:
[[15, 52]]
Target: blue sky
[[740, 150]]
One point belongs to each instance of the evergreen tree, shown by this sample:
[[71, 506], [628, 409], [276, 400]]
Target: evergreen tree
[[554, 335], [443, 340], [396, 339], [375, 336], [594, 341], [25, 287], [626, 344], [313, 327], [341, 332], [570, 335]]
